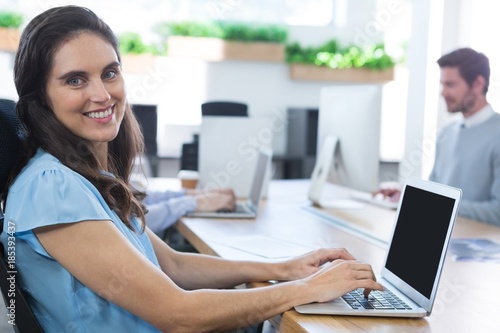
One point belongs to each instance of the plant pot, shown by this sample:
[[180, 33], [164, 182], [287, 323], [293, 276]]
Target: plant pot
[[138, 63], [9, 39], [351, 75], [215, 49]]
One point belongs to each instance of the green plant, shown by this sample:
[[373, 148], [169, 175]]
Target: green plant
[[254, 33], [10, 19], [192, 29], [132, 43], [224, 30], [332, 55]]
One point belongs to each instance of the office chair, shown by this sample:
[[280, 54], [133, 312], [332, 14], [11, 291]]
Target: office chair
[[189, 155], [147, 117], [10, 145], [224, 108]]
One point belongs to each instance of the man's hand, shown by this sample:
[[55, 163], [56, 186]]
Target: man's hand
[[392, 193], [214, 200]]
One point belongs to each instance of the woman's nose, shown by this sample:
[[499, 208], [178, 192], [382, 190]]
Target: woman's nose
[[98, 92]]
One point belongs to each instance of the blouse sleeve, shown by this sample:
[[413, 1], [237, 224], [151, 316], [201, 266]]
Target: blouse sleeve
[[53, 196]]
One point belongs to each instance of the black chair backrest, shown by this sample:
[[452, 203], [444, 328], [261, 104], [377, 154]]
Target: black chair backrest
[[148, 119], [147, 116], [189, 156], [10, 143], [223, 108], [18, 311]]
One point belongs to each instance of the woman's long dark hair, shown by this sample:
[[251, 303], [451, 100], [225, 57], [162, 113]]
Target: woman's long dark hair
[[39, 41]]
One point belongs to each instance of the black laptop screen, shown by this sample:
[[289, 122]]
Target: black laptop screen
[[419, 237]]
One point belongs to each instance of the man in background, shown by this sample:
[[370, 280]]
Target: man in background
[[468, 149]]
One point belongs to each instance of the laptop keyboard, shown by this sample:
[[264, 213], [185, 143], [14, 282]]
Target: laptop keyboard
[[239, 208], [377, 300]]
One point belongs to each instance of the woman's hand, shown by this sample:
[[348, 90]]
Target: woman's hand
[[340, 277], [310, 263], [330, 273]]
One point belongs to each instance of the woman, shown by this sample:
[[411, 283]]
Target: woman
[[83, 252]]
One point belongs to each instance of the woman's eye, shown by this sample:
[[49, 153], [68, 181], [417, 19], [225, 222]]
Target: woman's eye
[[74, 81]]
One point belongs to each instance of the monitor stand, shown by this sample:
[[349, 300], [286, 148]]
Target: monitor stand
[[319, 177]]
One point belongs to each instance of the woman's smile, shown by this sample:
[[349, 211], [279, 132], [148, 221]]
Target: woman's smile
[[102, 116]]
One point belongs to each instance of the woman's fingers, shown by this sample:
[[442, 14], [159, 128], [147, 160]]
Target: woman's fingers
[[358, 273]]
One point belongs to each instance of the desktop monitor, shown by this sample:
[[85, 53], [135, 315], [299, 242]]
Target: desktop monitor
[[351, 113]]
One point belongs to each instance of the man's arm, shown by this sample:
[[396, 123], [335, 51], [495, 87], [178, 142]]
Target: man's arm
[[486, 211], [164, 214]]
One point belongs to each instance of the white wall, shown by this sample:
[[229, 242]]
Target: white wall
[[480, 33], [7, 88], [424, 48]]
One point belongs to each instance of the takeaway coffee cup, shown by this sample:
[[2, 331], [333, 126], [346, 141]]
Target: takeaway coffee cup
[[189, 178]]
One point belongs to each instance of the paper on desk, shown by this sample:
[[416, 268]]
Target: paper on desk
[[265, 246], [474, 249]]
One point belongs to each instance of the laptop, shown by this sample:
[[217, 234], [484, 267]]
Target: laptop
[[249, 208], [235, 148], [319, 176], [415, 257]]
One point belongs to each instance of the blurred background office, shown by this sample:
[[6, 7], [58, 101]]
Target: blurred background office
[[413, 33]]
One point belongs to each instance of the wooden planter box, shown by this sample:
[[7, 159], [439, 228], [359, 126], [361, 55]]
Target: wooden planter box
[[138, 63], [215, 49], [9, 39], [351, 75]]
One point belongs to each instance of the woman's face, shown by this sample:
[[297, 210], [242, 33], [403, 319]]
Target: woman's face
[[85, 88]]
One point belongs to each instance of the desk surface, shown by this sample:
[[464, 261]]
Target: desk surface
[[466, 299]]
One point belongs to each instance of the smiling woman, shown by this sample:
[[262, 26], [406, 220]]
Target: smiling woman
[[85, 257], [86, 90], [80, 75]]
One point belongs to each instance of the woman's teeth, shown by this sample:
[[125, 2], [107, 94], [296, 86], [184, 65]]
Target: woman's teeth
[[102, 114]]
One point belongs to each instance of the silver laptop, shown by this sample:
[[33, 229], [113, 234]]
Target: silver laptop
[[415, 258], [250, 207]]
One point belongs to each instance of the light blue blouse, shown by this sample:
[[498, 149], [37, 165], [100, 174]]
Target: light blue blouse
[[46, 193]]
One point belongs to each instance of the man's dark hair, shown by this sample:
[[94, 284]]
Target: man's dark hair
[[470, 64]]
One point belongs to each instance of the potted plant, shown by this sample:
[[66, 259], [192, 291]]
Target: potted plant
[[331, 62], [218, 41], [9, 30], [137, 56]]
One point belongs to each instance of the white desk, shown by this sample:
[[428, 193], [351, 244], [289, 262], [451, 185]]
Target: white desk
[[467, 297]]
